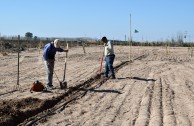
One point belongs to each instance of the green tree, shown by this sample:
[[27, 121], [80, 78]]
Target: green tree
[[28, 35], [35, 38]]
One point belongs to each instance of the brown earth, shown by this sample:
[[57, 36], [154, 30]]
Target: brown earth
[[155, 89]]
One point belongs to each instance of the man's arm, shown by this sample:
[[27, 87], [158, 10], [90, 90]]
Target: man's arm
[[61, 50]]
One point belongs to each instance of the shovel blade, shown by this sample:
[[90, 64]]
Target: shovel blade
[[63, 85]]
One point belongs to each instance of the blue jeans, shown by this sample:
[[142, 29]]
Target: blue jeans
[[49, 65], [109, 65]]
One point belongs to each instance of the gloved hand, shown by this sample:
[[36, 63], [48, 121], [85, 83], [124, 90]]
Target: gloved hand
[[66, 50], [47, 62]]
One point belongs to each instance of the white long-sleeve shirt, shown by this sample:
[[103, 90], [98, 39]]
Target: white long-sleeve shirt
[[108, 49]]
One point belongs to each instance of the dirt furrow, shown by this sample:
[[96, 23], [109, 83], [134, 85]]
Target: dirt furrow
[[130, 114], [116, 105], [156, 117], [183, 100], [106, 102], [169, 118], [129, 109], [145, 105]]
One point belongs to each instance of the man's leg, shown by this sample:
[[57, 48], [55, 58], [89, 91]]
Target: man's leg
[[106, 68], [110, 65], [49, 70]]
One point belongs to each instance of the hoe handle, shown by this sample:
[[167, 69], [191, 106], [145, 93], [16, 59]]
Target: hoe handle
[[100, 70]]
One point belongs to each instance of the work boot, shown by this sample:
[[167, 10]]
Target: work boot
[[113, 76], [105, 77], [50, 87]]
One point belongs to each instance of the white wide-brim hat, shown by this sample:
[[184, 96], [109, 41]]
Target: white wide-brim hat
[[57, 43]]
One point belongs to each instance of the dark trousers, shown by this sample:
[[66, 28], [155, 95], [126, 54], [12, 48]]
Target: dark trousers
[[109, 65]]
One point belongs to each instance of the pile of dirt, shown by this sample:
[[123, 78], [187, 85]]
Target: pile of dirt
[[14, 111], [3, 54]]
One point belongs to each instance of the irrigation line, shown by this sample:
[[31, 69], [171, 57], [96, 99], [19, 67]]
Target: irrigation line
[[8, 92]]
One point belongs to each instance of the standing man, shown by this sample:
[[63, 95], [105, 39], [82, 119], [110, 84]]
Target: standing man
[[109, 57], [50, 50]]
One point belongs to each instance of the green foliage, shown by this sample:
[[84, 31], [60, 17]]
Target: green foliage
[[28, 35], [35, 38]]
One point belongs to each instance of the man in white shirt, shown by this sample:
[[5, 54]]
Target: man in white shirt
[[109, 57]]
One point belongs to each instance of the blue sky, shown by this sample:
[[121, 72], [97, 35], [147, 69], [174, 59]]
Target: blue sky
[[156, 20]]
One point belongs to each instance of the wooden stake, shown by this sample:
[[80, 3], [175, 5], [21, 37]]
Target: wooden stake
[[67, 46], [130, 48], [18, 59], [83, 47]]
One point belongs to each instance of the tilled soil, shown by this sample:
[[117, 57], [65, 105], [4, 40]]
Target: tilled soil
[[156, 89]]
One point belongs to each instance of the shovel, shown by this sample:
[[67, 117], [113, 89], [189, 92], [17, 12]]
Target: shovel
[[63, 83]]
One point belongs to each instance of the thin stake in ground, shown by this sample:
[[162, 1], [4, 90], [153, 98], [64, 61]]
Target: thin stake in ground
[[130, 41], [18, 85], [83, 45]]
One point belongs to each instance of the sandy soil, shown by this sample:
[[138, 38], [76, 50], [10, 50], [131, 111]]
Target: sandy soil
[[154, 90]]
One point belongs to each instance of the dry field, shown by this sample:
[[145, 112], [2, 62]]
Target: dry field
[[153, 89]]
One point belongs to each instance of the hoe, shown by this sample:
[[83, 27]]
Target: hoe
[[100, 69]]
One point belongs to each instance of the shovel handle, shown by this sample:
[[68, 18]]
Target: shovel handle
[[65, 66], [66, 53]]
